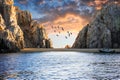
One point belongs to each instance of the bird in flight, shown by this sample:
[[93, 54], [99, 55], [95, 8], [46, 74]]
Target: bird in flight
[[62, 28], [57, 35], [66, 37]]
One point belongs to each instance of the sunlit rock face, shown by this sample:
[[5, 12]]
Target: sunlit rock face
[[103, 31], [8, 42], [34, 34], [11, 34], [18, 30], [24, 18], [2, 25]]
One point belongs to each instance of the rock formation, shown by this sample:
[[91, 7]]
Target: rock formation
[[11, 34], [67, 47], [103, 31], [18, 30], [34, 33]]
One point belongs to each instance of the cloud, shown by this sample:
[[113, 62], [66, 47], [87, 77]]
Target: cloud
[[70, 22], [55, 9], [24, 2], [61, 8], [52, 9]]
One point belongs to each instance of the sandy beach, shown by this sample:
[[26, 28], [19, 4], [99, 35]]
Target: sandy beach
[[62, 49]]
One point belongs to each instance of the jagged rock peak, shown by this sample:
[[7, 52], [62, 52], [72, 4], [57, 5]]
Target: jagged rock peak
[[34, 33], [8, 12], [23, 17], [103, 31]]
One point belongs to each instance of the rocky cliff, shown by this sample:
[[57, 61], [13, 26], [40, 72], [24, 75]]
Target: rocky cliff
[[11, 35], [103, 31], [34, 33], [18, 30]]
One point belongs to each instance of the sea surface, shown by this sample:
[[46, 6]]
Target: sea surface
[[59, 66]]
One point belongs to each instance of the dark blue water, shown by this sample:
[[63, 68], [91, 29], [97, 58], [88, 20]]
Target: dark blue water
[[59, 66]]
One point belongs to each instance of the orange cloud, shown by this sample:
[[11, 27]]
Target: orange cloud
[[70, 22], [99, 3], [91, 3]]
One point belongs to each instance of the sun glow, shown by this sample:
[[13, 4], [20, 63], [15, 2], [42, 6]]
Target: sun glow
[[70, 22]]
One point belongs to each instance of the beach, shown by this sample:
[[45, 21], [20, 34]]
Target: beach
[[26, 50]]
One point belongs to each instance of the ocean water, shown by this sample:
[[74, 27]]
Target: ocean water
[[59, 66]]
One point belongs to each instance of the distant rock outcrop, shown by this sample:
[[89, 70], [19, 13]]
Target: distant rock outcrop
[[67, 47], [18, 30], [103, 31]]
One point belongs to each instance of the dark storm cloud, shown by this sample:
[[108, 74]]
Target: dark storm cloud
[[53, 9]]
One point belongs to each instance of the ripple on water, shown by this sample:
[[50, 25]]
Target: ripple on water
[[59, 66]]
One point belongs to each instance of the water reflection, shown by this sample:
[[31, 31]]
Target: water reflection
[[59, 66]]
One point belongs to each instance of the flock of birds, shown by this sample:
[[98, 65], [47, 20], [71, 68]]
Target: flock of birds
[[58, 29]]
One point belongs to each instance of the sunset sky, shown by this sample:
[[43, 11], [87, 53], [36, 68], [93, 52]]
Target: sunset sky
[[72, 15]]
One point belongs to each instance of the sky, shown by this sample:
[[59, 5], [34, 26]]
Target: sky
[[71, 15]]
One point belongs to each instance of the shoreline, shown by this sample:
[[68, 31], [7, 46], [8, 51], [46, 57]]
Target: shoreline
[[32, 50]]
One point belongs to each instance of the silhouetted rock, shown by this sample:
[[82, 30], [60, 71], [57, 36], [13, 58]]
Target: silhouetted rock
[[103, 31], [81, 39], [48, 43]]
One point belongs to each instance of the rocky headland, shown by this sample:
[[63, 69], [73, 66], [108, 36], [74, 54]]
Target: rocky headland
[[18, 30], [103, 31]]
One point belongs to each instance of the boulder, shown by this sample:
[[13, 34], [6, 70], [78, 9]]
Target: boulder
[[67, 47]]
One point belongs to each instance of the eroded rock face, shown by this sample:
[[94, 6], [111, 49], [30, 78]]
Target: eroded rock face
[[34, 34], [8, 42], [24, 18], [103, 31], [8, 12], [2, 25], [81, 39], [11, 35], [18, 30]]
